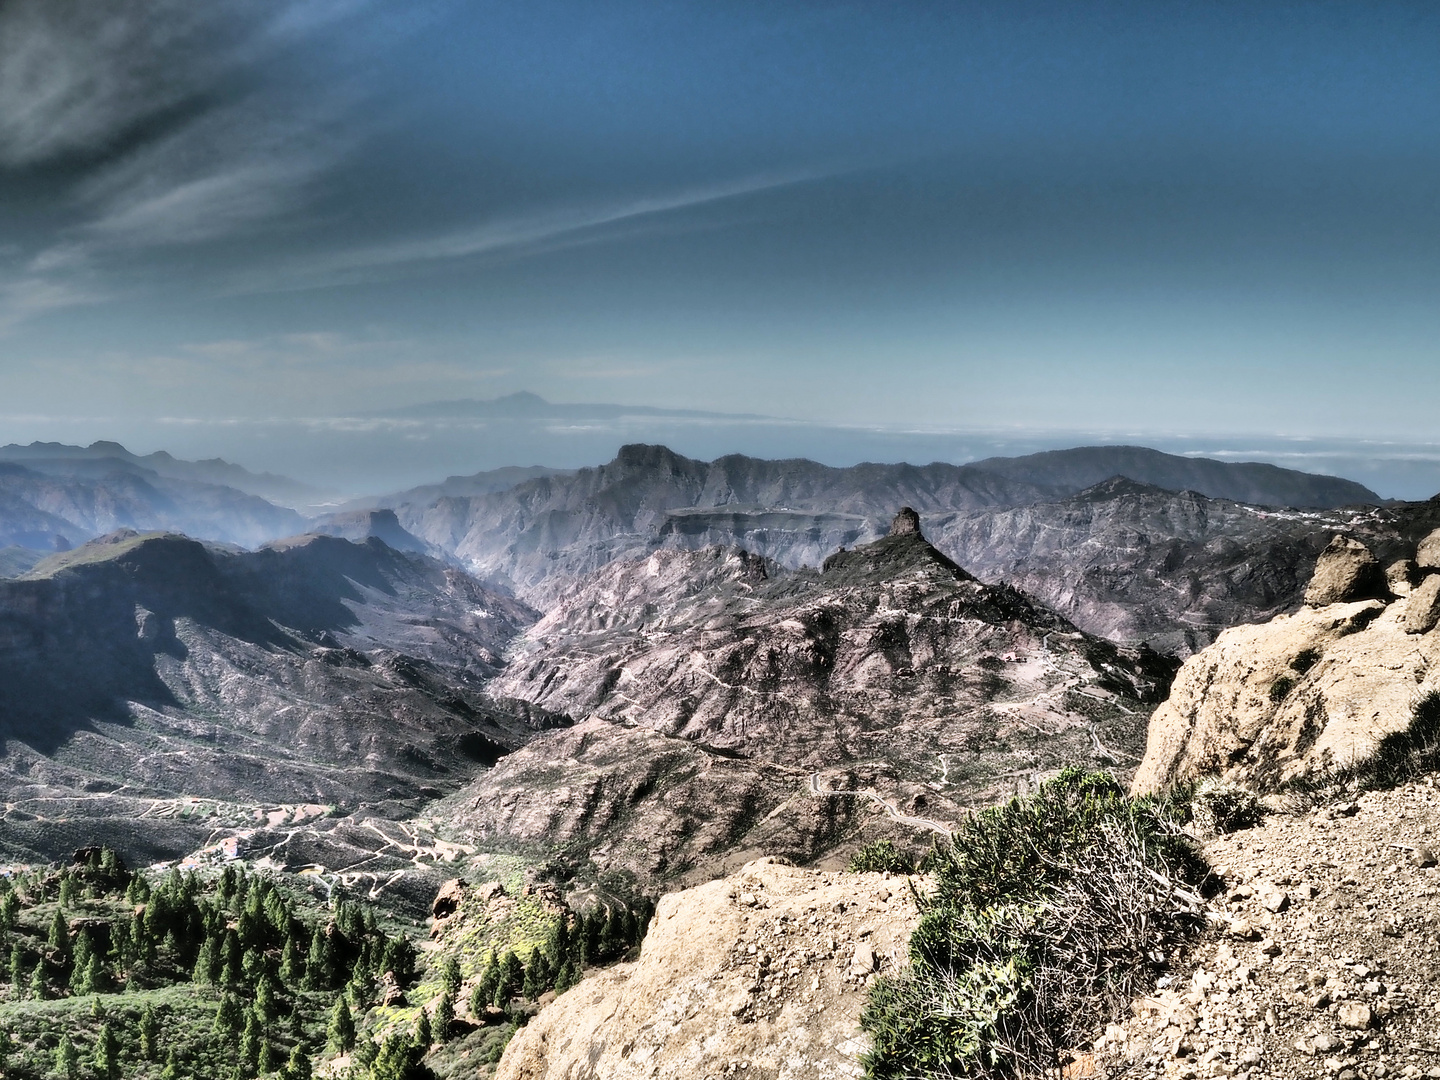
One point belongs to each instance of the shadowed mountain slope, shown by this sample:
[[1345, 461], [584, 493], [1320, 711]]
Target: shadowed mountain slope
[[144, 669]]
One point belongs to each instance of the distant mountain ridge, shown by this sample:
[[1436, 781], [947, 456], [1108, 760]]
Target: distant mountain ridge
[[525, 405], [54, 456], [58, 503], [530, 536]]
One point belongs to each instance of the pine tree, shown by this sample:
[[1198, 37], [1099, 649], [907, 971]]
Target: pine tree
[[444, 1016], [298, 1067], [320, 961], [483, 993], [267, 999], [17, 968], [37, 981], [510, 979], [292, 964], [251, 1039], [565, 977], [229, 1017], [265, 1062], [234, 956], [107, 1054], [424, 1033], [450, 976], [341, 1033], [59, 938], [7, 1047], [172, 1067], [205, 966], [67, 1058], [149, 1032], [67, 891]]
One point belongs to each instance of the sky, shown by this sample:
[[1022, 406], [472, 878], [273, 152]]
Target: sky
[[967, 224]]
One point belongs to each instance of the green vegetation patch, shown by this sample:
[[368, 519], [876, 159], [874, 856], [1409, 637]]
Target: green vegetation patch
[[108, 973], [1048, 915], [881, 857]]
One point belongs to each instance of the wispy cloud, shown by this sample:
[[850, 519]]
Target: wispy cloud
[[166, 120], [545, 230]]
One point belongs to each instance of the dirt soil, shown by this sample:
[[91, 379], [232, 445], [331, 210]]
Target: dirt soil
[[1321, 961]]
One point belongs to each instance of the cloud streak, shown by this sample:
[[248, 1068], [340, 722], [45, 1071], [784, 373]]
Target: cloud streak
[[547, 230]]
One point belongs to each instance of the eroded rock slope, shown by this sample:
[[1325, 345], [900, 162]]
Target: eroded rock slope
[[725, 700]]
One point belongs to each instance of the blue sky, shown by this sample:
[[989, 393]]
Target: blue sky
[[1156, 219]]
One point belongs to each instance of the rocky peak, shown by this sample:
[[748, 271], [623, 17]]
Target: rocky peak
[[1305, 693], [905, 522]]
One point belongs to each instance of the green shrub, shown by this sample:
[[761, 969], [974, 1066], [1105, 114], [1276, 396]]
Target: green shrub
[[881, 857], [1048, 915], [1305, 659], [1218, 806], [1280, 688]]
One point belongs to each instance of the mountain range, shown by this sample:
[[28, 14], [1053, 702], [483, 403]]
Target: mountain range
[[647, 669]]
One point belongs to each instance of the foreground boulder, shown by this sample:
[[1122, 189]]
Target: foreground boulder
[[1428, 554], [1346, 571], [1302, 694], [766, 970]]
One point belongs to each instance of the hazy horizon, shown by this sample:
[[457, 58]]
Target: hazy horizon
[[375, 454]]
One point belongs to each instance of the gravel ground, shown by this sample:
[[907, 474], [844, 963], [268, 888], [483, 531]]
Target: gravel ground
[[1322, 958]]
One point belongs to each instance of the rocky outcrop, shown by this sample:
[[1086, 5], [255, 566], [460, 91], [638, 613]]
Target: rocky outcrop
[[1422, 611], [1346, 571], [1427, 553], [1301, 694], [764, 971]]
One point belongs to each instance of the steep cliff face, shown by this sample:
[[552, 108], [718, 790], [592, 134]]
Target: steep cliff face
[[150, 669], [1303, 693]]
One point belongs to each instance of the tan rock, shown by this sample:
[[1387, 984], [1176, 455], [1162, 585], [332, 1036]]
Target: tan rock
[[448, 899], [1225, 717], [1427, 556], [1422, 608], [698, 1000], [1346, 571], [1402, 575]]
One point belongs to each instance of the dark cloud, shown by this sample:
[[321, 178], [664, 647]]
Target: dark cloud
[[83, 80]]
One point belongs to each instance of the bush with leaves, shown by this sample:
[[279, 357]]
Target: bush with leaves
[[1048, 915], [1219, 806], [881, 857]]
